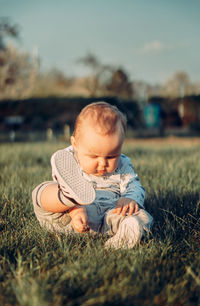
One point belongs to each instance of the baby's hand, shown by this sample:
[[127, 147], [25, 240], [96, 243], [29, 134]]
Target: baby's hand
[[126, 205], [79, 219]]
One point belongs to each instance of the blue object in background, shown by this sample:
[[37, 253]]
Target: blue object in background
[[152, 114]]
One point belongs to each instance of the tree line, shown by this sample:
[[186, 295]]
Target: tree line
[[20, 77]]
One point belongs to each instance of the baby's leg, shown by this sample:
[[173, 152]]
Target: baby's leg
[[51, 200], [95, 217], [127, 231], [45, 195]]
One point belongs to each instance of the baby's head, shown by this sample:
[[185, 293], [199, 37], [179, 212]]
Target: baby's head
[[98, 137]]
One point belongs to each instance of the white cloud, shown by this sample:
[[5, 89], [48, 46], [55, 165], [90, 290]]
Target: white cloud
[[154, 46], [157, 46]]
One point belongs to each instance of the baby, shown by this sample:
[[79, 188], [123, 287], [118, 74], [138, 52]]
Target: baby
[[95, 188]]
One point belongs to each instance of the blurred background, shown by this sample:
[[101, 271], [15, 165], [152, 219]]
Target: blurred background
[[56, 57]]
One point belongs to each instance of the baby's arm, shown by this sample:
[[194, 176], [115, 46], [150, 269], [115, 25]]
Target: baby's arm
[[132, 192]]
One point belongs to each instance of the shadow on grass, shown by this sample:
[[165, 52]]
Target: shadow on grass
[[175, 216]]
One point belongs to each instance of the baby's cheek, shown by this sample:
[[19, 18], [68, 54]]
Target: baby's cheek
[[84, 164], [113, 164], [89, 165]]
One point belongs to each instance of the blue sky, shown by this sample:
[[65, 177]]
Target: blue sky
[[150, 39]]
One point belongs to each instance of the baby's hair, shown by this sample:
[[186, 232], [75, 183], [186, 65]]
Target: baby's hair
[[104, 116]]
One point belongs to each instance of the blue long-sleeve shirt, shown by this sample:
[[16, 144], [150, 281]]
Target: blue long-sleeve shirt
[[123, 182]]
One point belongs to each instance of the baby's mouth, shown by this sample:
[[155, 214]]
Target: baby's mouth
[[101, 172]]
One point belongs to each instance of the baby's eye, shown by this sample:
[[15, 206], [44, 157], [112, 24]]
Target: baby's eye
[[93, 156], [111, 157]]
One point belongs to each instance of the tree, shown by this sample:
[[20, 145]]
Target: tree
[[119, 84], [95, 83], [7, 30], [17, 69], [53, 82], [179, 85], [105, 79]]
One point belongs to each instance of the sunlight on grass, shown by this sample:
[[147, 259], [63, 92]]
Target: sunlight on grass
[[41, 268]]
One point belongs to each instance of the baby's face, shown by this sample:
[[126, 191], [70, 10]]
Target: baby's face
[[97, 154]]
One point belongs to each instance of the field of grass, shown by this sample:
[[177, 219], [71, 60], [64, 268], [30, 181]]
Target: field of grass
[[41, 268]]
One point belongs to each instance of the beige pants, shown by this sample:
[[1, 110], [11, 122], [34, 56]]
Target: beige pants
[[100, 219]]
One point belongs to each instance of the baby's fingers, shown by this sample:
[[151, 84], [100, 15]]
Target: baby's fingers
[[84, 220], [124, 210], [117, 210], [121, 210], [133, 208], [80, 226]]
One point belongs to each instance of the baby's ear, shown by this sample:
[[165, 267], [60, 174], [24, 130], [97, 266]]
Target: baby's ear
[[73, 142]]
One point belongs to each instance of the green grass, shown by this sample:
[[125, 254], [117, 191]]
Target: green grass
[[40, 268]]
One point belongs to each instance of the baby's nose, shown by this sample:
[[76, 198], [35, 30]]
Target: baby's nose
[[102, 162]]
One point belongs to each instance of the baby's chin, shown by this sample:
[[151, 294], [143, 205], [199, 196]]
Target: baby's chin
[[101, 173], [97, 173]]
